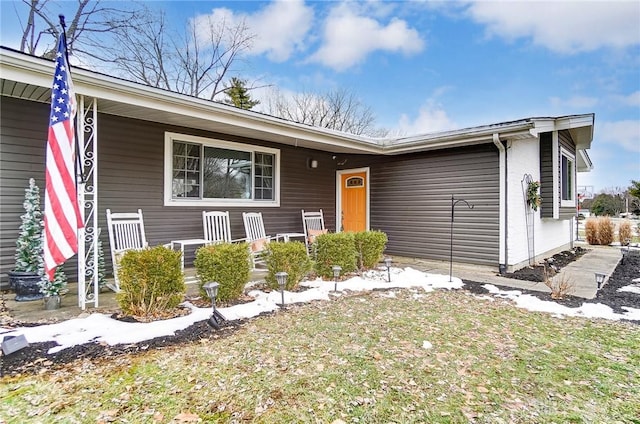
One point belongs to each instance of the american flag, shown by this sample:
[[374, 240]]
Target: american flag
[[62, 216]]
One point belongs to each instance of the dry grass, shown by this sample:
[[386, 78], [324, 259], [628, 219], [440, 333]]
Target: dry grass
[[591, 231], [383, 357], [560, 286], [624, 232]]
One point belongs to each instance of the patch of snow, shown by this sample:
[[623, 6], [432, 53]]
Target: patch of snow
[[101, 328], [427, 345], [631, 289], [587, 310]]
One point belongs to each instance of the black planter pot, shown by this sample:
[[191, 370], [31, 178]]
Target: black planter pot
[[25, 285]]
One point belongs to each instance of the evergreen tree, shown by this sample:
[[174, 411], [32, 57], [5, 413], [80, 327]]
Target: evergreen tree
[[238, 95], [29, 244], [57, 286], [102, 273]]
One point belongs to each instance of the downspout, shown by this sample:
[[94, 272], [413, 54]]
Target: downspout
[[503, 210]]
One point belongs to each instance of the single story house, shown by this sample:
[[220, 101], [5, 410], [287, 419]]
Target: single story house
[[167, 153]]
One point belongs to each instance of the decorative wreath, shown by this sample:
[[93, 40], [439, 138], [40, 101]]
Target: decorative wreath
[[533, 196]]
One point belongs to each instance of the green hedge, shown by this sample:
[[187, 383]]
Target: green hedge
[[335, 249], [290, 257], [227, 264], [369, 245], [151, 281]]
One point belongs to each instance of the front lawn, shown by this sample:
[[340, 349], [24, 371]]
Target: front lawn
[[388, 356]]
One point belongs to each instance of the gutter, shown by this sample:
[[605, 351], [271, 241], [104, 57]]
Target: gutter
[[503, 210]]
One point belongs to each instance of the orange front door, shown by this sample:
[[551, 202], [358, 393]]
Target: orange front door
[[354, 201]]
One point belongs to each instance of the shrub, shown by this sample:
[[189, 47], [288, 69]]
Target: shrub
[[369, 245], [605, 230], [151, 281], [591, 230], [290, 257], [335, 249], [559, 286], [624, 232], [227, 264]]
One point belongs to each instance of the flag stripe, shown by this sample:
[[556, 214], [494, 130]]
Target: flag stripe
[[62, 217]]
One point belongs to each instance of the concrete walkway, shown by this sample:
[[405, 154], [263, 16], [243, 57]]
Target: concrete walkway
[[581, 273]]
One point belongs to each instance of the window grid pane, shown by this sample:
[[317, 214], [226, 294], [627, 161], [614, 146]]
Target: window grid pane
[[186, 170], [264, 174]]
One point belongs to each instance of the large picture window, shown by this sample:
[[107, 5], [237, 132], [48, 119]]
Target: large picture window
[[567, 179], [212, 172]]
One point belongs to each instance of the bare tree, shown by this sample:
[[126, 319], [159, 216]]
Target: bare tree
[[194, 63], [89, 21], [337, 109]]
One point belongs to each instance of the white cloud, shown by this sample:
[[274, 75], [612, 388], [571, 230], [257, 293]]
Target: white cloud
[[431, 118], [575, 102], [563, 26], [349, 37], [625, 134], [281, 27], [632, 99]]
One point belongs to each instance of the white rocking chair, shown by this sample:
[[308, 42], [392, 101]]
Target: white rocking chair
[[313, 224], [256, 235], [217, 227], [126, 232]]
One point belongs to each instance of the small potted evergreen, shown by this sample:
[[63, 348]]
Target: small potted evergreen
[[52, 290], [29, 268]]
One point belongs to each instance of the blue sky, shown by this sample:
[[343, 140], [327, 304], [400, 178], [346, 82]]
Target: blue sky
[[432, 66]]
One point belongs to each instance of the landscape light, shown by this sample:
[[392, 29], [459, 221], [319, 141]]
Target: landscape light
[[216, 317], [281, 277], [336, 273], [387, 262], [600, 279]]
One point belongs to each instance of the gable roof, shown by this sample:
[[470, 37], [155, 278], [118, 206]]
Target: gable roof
[[29, 77]]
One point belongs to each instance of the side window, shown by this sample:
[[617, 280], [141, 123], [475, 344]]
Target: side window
[[567, 179]]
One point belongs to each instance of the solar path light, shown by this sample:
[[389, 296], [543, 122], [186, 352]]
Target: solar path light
[[336, 273], [216, 317], [600, 279], [281, 277], [387, 262]]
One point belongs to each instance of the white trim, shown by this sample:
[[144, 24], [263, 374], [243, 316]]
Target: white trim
[[170, 137], [339, 195], [502, 195], [571, 203], [555, 173]]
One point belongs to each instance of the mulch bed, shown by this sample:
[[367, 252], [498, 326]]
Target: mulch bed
[[35, 359], [552, 264]]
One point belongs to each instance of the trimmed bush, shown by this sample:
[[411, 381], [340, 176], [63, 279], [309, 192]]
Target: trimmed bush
[[591, 230], [605, 230], [369, 245], [151, 281], [290, 257], [227, 264], [624, 232], [335, 249]]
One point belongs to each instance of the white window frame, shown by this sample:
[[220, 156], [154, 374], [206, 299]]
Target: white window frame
[[170, 137], [568, 203]]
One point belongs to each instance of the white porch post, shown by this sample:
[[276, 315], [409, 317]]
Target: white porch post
[[87, 126]]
